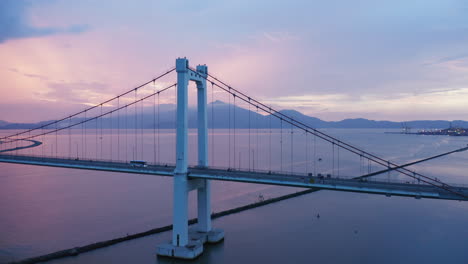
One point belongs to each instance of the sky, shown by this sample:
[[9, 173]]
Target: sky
[[384, 60]]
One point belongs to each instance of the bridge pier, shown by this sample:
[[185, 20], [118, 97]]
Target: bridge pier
[[189, 244], [204, 228]]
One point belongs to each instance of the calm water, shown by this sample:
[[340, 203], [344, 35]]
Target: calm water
[[47, 209]]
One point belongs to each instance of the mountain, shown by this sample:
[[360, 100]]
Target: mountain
[[311, 121], [7, 125], [223, 115], [363, 123]]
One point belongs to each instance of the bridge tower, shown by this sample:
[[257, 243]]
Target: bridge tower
[[188, 244]]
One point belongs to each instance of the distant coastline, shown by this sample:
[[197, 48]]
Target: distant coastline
[[244, 118], [452, 131]]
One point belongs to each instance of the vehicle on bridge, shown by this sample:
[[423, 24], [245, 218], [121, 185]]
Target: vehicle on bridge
[[138, 163]]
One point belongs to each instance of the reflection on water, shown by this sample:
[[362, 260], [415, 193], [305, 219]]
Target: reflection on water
[[48, 209]]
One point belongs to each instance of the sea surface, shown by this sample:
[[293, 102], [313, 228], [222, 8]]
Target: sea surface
[[44, 209]]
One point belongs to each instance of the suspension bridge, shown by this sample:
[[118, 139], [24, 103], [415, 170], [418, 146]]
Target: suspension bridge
[[147, 130]]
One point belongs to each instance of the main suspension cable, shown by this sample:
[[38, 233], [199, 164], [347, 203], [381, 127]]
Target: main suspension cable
[[101, 115], [90, 108], [342, 144]]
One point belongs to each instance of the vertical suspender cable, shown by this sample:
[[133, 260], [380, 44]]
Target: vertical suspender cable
[[235, 154], [111, 136], [333, 159], [43, 141], [281, 145], [85, 135], [338, 159], [154, 123], [388, 173], [258, 150], [159, 125], [69, 138], [360, 164], [229, 132], [249, 137], [97, 137], [32, 149], [269, 148], [135, 147], [315, 155], [56, 140], [307, 152], [118, 129], [292, 147], [213, 128], [141, 130], [101, 138], [126, 133]]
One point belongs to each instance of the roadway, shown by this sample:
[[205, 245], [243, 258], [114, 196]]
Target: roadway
[[293, 180]]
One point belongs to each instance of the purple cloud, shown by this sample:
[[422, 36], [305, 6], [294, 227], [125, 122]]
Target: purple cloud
[[14, 23]]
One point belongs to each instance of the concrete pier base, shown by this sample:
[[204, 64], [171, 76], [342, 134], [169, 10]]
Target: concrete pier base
[[194, 248], [191, 251], [215, 236]]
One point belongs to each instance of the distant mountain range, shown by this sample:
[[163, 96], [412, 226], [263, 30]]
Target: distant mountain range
[[228, 115]]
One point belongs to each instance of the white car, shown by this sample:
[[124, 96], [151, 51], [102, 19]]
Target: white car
[[138, 163]]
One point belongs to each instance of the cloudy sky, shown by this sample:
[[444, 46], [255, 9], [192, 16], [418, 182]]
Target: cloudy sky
[[386, 60]]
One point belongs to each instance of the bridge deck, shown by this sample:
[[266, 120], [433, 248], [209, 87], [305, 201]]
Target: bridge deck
[[337, 184]]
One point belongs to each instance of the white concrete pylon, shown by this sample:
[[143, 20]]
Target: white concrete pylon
[[182, 116], [182, 246], [202, 117], [180, 209], [203, 193]]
